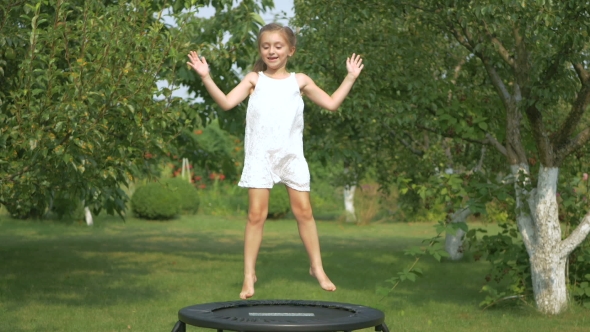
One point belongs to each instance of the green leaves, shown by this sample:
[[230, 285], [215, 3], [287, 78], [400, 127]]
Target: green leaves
[[410, 273], [79, 109]]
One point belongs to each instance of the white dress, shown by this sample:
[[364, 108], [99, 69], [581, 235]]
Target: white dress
[[273, 143]]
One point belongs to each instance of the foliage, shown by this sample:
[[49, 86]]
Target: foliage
[[509, 264], [574, 201], [23, 208], [77, 87], [225, 198], [510, 75], [80, 110], [189, 198], [579, 275], [279, 204], [211, 151], [157, 201], [509, 276], [66, 207], [220, 198], [372, 204], [228, 41], [433, 248]]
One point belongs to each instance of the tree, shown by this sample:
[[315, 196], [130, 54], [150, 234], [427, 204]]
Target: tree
[[78, 113], [390, 122], [228, 41], [523, 89], [536, 58]]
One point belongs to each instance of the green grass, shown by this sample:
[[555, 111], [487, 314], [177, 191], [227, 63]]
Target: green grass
[[136, 275]]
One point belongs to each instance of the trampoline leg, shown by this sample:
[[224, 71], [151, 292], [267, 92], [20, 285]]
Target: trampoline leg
[[218, 330], [383, 328], [179, 327]]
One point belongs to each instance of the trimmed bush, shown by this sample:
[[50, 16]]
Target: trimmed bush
[[156, 201], [189, 196], [279, 204]]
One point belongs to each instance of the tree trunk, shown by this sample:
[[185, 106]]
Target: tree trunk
[[541, 234], [349, 203], [454, 242], [547, 268], [549, 286], [88, 216]]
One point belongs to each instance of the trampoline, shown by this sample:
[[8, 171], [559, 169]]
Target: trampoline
[[280, 316]]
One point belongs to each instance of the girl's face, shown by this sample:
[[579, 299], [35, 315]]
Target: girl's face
[[275, 49]]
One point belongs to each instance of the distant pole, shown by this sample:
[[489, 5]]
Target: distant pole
[[185, 170]]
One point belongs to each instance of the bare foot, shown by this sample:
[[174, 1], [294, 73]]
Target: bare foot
[[248, 287], [323, 279]]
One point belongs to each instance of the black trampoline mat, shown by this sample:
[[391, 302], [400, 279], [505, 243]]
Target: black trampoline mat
[[281, 315]]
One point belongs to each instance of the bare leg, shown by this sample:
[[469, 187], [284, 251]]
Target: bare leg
[[301, 207], [257, 211]]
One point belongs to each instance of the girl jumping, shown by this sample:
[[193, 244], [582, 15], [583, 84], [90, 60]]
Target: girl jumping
[[273, 143]]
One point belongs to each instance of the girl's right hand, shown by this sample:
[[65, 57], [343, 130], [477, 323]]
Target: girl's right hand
[[354, 65], [199, 64]]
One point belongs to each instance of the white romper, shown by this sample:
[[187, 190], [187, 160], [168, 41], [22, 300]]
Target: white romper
[[273, 143]]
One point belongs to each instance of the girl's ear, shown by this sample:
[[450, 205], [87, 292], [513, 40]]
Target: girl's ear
[[292, 51]]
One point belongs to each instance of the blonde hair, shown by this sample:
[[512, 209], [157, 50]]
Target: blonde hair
[[259, 65]]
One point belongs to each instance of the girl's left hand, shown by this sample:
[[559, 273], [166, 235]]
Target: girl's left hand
[[354, 65]]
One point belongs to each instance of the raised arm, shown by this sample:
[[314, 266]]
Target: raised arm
[[354, 67], [236, 95]]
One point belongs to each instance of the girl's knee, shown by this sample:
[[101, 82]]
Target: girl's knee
[[302, 213], [256, 217]]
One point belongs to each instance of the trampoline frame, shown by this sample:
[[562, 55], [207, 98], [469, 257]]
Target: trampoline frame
[[210, 315]]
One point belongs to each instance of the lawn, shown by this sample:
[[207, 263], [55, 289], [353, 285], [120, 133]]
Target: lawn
[[136, 275]]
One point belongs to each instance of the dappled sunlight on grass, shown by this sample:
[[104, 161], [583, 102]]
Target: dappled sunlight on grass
[[136, 275]]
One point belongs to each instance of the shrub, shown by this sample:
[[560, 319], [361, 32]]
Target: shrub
[[279, 204], [25, 209], [67, 207], [189, 196], [156, 200]]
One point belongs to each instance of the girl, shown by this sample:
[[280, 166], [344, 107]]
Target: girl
[[273, 142]]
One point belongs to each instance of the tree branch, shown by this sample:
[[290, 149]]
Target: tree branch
[[561, 138], [494, 142], [501, 49], [463, 38], [482, 142], [524, 218], [10, 178], [405, 143], [501, 89], [582, 73], [479, 164], [544, 146], [460, 37], [522, 61], [575, 238], [552, 69], [572, 145]]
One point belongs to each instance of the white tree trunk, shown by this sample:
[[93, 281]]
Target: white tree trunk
[[549, 285], [454, 242], [349, 203], [541, 233], [547, 268], [88, 216]]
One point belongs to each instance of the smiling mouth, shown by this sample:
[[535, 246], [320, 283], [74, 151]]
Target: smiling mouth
[[272, 58]]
